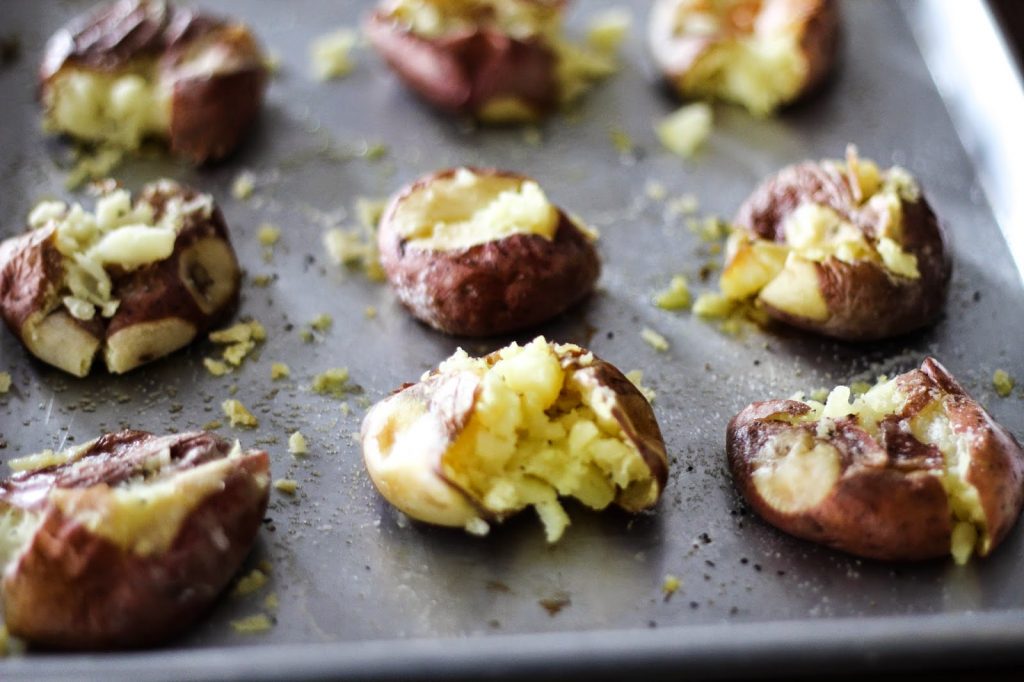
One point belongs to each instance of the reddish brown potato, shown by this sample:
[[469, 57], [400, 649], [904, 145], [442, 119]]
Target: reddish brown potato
[[133, 281], [480, 439], [126, 541], [134, 69], [913, 469], [479, 252], [494, 60], [761, 54], [842, 249]]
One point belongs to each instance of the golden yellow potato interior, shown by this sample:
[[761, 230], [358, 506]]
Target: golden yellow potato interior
[[536, 435], [756, 61], [783, 274], [466, 209], [16, 528], [121, 110], [930, 426], [797, 472], [118, 233]]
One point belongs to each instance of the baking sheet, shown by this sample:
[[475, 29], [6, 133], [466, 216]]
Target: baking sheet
[[364, 591]]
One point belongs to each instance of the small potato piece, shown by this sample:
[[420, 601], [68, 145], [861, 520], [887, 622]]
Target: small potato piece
[[135, 69], [132, 281], [912, 469], [761, 54], [498, 61], [480, 439], [127, 540], [842, 249], [479, 252]]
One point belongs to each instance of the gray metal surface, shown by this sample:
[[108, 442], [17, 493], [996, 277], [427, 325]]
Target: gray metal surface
[[348, 569]]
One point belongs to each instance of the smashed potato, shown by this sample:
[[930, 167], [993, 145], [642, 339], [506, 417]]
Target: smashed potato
[[480, 252], [761, 54], [498, 61], [912, 469], [131, 281], [840, 248], [480, 439], [127, 540], [137, 69]]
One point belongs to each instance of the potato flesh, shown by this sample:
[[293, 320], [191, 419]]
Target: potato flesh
[[797, 474], [784, 276], [931, 426], [16, 529], [576, 66], [120, 110], [466, 209], [144, 516], [118, 233], [532, 438], [754, 59]]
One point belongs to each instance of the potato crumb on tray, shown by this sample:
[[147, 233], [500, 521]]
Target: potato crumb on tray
[[252, 625], [654, 339], [238, 415]]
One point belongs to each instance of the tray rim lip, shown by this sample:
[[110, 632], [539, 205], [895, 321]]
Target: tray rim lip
[[880, 643], [885, 643]]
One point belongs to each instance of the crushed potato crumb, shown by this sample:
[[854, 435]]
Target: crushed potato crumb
[[213, 425], [713, 305], [709, 229], [253, 582], [244, 185], [333, 381], [636, 377], [370, 312], [5, 382], [216, 367], [685, 130], [608, 29], [271, 602], [687, 204], [238, 340], [655, 190], [269, 234], [331, 56], [252, 624], [238, 415], [670, 585], [279, 370], [1003, 383], [621, 140], [532, 136], [288, 486], [262, 280], [322, 322], [654, 339], [297, 444], [676, 297]]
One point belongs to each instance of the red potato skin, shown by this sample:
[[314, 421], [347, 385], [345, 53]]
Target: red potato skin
[[997, 464], [71, 589], [460, 73], [820, 37], [493, 288], [32, 275], [864, 300], [210, 113], [888, 502]]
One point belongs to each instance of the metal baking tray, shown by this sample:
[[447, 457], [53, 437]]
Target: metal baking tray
[[365, 593]]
